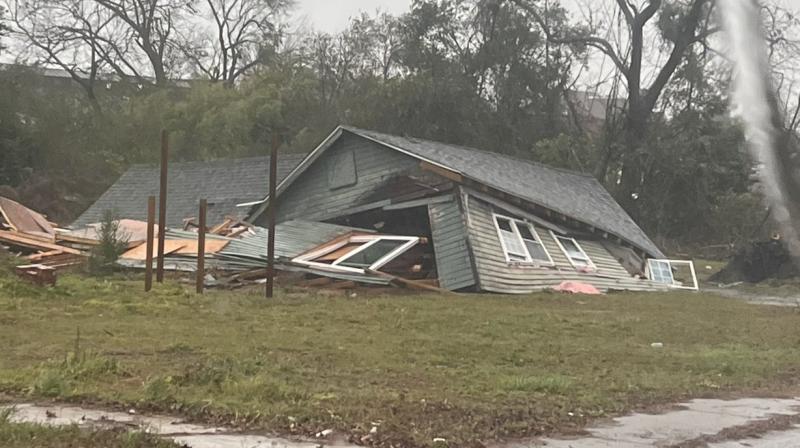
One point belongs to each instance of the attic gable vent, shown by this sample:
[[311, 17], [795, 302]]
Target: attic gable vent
[[342, 172]]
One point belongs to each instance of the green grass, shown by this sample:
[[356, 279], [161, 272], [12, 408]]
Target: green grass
[[468, 369], [14, 435]]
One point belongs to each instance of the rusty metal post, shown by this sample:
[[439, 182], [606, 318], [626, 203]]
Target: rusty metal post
[[162, 205], [273, 182], [151, 222], [201, 247]]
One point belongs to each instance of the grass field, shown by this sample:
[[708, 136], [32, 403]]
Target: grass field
[[468, 369]]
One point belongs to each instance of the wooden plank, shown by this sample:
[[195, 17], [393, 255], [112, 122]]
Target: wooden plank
[[447, 174], [18, 239], [411, 284]]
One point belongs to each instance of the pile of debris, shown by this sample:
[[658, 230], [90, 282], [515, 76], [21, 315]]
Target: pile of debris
[[31, 236], [757, 262], [321, 254]]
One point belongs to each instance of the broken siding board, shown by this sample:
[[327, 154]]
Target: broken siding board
[[309, 196], [495, 274], [449, 232]]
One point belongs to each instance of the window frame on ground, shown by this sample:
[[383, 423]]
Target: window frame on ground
[[582, 263], [657, 275], [368, 240], [521, 254]]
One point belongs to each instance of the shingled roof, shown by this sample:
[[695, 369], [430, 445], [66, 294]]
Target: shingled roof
[[225, 183], [577, 195]]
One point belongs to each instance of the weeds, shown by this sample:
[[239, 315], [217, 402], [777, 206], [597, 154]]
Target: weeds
[[466, 369]]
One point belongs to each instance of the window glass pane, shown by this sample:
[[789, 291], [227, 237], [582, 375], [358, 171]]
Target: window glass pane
[[661, 272], [513, 244], [504, 224], [372, 254], [537, 251], [525, 231], [575, 254]]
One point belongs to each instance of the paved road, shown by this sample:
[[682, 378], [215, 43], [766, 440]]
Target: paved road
[[753, 423]]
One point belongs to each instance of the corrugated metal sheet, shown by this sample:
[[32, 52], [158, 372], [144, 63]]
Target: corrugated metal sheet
[[250, 250]]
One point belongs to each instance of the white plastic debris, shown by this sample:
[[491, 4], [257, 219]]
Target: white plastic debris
[[657, 345], [374, 430], [324, 433], [131, 411]]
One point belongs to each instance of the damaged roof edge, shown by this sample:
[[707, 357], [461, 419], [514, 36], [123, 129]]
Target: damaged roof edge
[[646, 245]]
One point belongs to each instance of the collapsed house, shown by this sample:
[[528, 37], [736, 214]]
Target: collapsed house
[[224, 183], [373, 208], [496, 223]]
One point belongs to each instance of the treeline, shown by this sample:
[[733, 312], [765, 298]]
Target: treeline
[[637, 98]]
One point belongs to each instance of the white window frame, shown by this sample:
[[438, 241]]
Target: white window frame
[[590, 266], [675, 285], [529, 260], [306, 259]]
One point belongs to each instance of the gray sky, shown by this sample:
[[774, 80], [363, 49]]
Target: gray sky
[[332, 15]]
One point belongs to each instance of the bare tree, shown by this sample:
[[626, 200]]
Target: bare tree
[[68, 34], [150, 26], [243, 34], [680, 25]]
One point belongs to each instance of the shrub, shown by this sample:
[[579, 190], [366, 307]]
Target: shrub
[[112, 244]]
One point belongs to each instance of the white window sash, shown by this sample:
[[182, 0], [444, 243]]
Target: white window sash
[[694, 287], [528, 258], [369, 240], [588, 263]]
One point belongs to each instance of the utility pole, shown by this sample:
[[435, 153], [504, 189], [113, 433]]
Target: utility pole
[[162, 206], [151, 223], [201, 247], [273, 182]]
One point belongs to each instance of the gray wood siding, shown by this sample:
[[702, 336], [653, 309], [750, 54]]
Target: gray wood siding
[[497, 275], [310, 197], [449, 232]]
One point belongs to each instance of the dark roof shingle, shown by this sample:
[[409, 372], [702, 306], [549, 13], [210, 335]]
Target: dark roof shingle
[[225, 183], [573, 194]]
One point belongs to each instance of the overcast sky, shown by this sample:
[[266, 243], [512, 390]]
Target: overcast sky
[[332, 15]]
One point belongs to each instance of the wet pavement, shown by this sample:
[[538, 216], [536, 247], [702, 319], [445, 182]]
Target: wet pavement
[[691, 421], [191, 435], [755, 298], [720, 421]]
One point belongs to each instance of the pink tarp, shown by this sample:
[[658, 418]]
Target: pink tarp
[[577, 288]]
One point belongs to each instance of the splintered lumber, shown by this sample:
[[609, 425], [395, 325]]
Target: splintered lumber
[[321, 281], [18, 239], [343, 285], [140, 252], [24, 220], [179, 247], [410, 284], [221, 228], [37, 273], [43, 255]]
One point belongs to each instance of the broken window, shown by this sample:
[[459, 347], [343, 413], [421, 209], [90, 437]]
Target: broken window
[[679, 274], [358, 253], [520, 242], [574, 252]]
